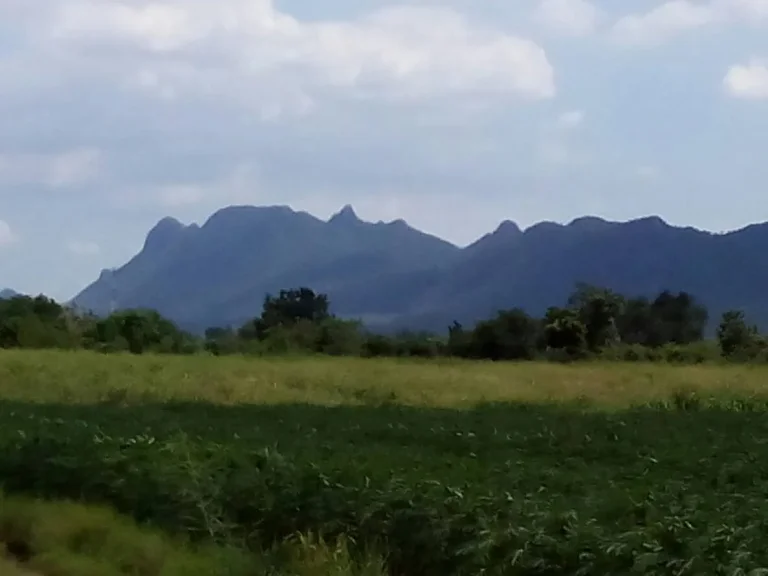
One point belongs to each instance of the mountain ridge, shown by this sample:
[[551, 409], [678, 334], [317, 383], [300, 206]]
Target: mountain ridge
[[394, 276]]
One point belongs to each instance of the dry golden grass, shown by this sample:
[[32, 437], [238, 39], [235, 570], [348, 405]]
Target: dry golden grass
[[83, 377]]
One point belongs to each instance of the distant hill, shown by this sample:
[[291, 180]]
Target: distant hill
[[7, 294], [219, 273], [394, 276]]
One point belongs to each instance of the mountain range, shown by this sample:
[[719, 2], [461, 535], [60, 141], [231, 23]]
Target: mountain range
[[393, 276]]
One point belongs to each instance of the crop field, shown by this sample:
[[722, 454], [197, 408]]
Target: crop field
[[402, 467]]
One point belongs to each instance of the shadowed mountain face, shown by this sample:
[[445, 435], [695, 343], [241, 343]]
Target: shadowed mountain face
[[393, 276]]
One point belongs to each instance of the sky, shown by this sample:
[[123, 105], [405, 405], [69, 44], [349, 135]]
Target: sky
[[453, 115]]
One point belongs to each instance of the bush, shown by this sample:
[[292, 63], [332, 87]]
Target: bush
[[693, 353], [378, 345], [629, 353]]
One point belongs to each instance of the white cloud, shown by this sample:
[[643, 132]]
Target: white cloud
[[748, 10], [664, 22], [7, 236], [156, 26], [181, 195], [73, 168], [249, 51], [84, 248], [571, 119], [675, 17], [568, 17], [747, 81], [67, 169]]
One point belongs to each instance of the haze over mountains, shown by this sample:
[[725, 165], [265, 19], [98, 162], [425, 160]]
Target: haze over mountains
[[393, 276], [6, 293]]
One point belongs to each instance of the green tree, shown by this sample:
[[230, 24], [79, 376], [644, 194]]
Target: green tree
[[676, 319], [738, 339], [338, 337], [287, 309], [37, 322], [634, 322], [512, 335], [138, 331], [459, 341], [598, 310], [221, 341], [564, 330]]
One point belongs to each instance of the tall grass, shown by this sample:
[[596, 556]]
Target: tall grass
[[67, 539], [85, 377]]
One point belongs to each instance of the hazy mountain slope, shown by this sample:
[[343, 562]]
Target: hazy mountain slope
[[392, 275], [219, 273], [540, 267], [7, 293]]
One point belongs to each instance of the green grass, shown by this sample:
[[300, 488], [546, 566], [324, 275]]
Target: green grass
[[84, 378], [67, 539], [71, 540], [442, 467]]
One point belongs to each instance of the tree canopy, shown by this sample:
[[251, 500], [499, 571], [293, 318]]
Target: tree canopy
[[593, 322]]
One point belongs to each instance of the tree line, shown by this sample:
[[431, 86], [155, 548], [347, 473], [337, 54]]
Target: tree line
[[594, 322]]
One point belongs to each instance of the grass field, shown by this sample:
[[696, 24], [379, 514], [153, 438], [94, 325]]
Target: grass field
[[438, 467], [66, 539], [86, 378]]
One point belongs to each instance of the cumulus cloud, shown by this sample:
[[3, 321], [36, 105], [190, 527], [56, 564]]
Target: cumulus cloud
[[7, 236], [675, 17], [250, 51], [55, 171], [747, 81], [664, 22], [568, 17]]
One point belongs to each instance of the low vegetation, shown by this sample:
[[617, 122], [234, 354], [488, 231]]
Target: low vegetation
[[47, 538], [405, 467], [595, 323]]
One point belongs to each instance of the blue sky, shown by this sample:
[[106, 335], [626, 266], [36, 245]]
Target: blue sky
[[453, 115]]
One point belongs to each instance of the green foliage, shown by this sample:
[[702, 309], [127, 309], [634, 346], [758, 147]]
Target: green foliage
[[222, 341], [289, 308], [337, 337], [42, 323], [38, 322], [676, 319], [598, 310], [507, 489], [668, 319], [137, 331], [69, 539], [693, 353], [739, 340], [565, 331], [595, 322], [403, 345], [295, 321], [512, 335]]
